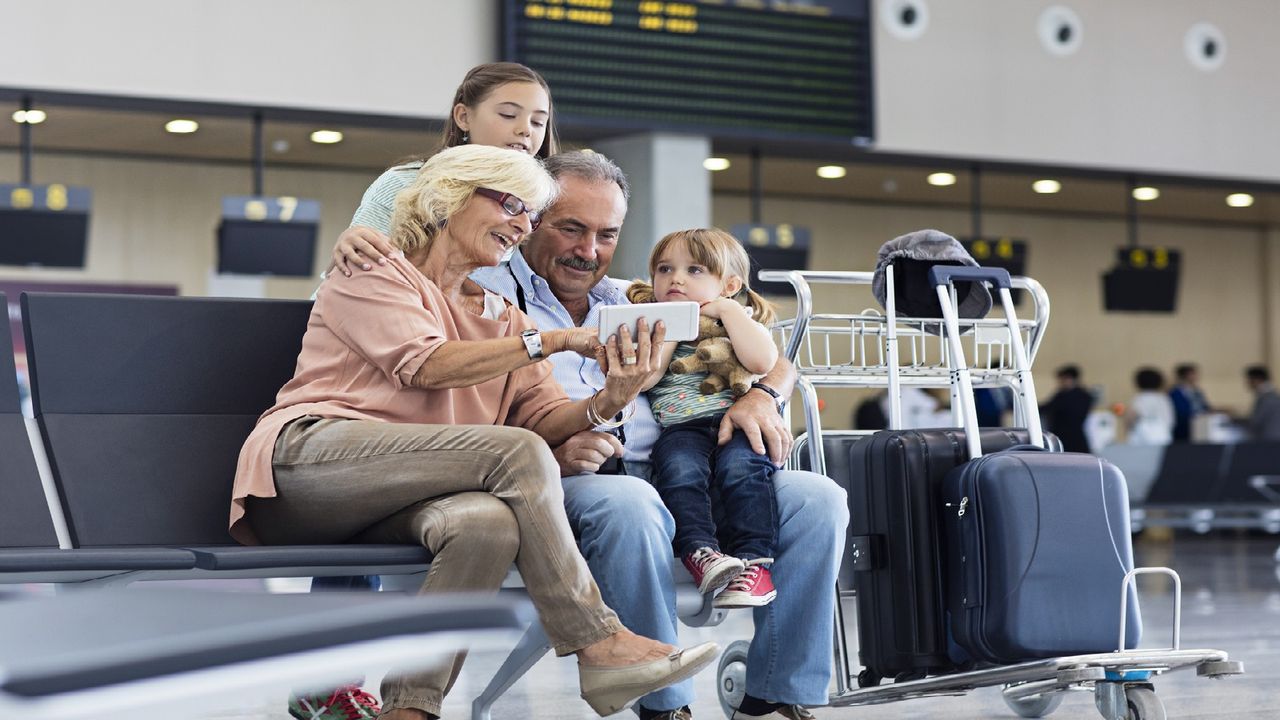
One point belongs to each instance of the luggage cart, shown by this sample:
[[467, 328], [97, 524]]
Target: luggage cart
[[875, 350]]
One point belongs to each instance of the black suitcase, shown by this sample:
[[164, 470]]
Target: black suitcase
[[894, 482], [1038, 548]]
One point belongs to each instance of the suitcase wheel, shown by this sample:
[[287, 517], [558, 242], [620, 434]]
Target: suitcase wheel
[[1143, 704], [731, 678], [1036, 706]]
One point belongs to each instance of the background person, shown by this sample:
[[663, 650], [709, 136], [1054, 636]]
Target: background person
[[1264, 420], [418, 413], [1188, 400], [1149, 417], [1067, 410]]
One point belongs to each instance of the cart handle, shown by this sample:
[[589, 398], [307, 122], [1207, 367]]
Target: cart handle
[[1131, 577], [943, 274]]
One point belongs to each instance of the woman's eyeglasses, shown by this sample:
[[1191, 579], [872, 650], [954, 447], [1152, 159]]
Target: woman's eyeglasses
[[512, 205]]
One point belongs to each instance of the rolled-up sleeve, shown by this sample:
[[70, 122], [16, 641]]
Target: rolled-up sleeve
[[538, 394], [384, 319]]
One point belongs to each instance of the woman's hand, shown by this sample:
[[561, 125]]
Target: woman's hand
[[628, 365], [359, 245]]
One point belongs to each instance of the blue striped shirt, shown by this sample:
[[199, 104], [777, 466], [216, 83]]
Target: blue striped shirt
[[579, 376]]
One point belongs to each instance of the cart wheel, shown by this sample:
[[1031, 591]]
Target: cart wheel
[[732, 676], [1035, 707], [1143, 704], [868, 678]]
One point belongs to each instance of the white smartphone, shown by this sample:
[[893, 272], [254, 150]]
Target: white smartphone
[[681, 319]]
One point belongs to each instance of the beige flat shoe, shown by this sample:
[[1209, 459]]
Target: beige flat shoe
[[613, 689]]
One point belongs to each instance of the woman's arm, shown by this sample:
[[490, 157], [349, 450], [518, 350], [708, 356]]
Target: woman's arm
[[751, 341], [622, 384], [463, 363]]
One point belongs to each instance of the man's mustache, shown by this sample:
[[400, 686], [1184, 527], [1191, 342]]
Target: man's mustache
[[578, 263]]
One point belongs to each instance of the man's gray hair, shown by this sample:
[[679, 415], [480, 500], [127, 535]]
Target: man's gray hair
[[590, 166]]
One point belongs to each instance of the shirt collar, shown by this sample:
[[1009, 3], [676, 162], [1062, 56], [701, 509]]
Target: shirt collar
[[607, 290]]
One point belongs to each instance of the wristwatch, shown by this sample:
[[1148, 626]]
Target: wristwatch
[[777, 398], [533, 344]]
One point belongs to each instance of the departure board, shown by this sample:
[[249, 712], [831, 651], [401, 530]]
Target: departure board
[[733, 68]]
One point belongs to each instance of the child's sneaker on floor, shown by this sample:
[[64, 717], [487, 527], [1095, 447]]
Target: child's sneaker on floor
[[752, 588], [345, 703], [711, 569]]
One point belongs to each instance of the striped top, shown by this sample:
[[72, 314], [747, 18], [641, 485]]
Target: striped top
[[379, 201], [677, 399]]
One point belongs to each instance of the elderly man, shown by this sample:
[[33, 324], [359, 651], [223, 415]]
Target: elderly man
[[559, 278]]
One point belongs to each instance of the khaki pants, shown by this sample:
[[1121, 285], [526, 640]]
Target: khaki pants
[[479, 497]]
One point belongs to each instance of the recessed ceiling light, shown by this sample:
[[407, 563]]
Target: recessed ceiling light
[[1046, 187], [326, 137], [942, 179], [30, 117], [1239, 199], [716, 164], [832, 172], [1146, 193], [182, 127]]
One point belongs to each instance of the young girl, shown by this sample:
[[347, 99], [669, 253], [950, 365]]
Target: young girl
[[500, 104], [710, 267]]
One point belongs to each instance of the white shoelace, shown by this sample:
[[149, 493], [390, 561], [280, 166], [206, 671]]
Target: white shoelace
[[747, 578]]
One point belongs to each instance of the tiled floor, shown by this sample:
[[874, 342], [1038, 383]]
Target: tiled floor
[[1231, 602]]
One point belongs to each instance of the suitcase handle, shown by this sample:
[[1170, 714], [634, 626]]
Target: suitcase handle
[[940, 275], [944, 276], [1022, 448]]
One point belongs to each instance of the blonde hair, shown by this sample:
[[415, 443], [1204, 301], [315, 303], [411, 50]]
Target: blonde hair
[[722, 255], [448, 180]]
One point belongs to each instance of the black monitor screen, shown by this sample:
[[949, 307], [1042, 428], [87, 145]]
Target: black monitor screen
[[255, 247], [50, 239], [1130, 290]]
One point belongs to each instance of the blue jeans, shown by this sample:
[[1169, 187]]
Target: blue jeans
[[690, 469], [625, 534]]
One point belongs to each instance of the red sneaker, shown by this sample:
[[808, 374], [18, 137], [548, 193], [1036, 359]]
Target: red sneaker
[[711, 569], [752, 588]]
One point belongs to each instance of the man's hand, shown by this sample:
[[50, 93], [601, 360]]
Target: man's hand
[[585, 452], [756, 415]]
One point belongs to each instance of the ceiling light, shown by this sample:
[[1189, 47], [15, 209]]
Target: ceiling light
[[942, 179], [1145, 193], [30, 117], [182, 127], [326, 137], [832, 172], [1239, 199], [1046, 187], [716, 164]]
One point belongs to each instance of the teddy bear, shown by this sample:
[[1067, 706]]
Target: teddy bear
[[713, 353]]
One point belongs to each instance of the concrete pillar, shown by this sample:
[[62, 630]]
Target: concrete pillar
[[1271, 298], [670, 190]]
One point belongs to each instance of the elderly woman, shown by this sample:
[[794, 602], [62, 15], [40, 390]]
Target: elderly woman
[[421, 411]]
